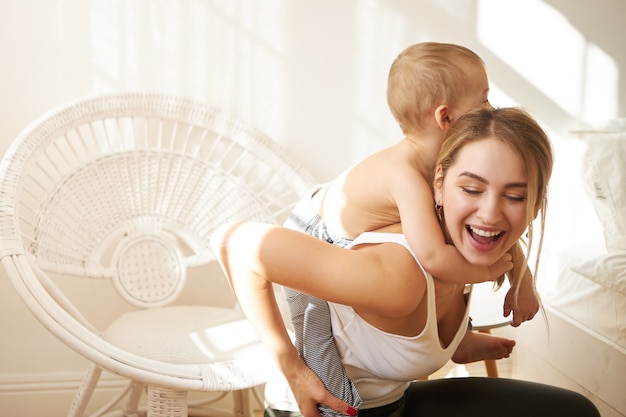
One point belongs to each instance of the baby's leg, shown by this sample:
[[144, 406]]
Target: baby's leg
[[310, 317], [480, 346]]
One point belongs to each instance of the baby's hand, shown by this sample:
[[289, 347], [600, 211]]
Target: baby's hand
[[502, 265], [525, 306]]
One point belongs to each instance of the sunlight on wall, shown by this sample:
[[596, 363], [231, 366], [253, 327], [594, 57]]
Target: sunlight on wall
[[571, 71], [553, 56], [104, 42], [198, 41], [601, 85], [234, 54], [499, 98], [377, 30], [228, 53], [252, 76]]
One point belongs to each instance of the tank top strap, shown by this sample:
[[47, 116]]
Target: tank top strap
[[399, 238], [379, 237]]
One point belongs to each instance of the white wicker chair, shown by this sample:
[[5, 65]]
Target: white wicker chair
[[129, 188]]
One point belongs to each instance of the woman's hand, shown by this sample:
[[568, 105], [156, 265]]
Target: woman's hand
[[309, 391]]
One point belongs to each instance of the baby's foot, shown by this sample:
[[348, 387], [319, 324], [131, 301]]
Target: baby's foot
[[480, 346]]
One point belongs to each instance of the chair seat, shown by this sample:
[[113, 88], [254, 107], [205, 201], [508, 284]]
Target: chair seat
[[194, 335]]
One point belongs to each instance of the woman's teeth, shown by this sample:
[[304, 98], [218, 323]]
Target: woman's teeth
[[483, 233]]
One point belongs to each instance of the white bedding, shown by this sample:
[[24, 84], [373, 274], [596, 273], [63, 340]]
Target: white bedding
[[583, 346], [602, 311], [575, 234]]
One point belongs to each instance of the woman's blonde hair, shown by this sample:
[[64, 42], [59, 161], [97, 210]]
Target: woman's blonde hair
[[518, 129], [424, 76]]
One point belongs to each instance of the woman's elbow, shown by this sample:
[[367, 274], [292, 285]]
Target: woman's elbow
[[236, 243]]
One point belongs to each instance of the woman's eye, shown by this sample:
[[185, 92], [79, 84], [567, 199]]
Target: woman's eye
[[471, 191], [517, 198]]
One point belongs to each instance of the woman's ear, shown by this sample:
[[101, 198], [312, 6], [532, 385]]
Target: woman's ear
[[438, 186], [442, 117]]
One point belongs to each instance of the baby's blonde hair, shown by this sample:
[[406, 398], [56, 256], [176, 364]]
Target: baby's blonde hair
[[424, 76]]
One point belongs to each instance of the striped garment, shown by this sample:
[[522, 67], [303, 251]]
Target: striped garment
[[311, 319]]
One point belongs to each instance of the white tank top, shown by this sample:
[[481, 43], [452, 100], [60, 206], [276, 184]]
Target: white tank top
[[381, 364]]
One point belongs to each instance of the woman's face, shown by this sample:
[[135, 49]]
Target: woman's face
[[483, 196]]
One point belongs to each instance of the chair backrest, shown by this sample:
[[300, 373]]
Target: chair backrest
[[130, 187]]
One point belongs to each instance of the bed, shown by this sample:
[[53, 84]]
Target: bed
[[581, 344]]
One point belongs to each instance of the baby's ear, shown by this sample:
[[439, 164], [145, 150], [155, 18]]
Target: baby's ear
[[442, 117]]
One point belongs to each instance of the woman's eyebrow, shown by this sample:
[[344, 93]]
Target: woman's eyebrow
[[484, 180]]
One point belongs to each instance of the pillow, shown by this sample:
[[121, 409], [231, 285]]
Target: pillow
[[604, 178], [607, 270]]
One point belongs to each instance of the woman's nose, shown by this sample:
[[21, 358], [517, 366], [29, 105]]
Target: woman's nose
[[490, 210]]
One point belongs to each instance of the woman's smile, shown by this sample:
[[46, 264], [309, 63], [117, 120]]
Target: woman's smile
[[484, 239]]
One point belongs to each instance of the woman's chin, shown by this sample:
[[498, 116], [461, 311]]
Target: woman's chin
[[482, 255]]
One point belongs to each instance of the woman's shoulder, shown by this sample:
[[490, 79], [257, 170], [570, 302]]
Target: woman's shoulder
[[387, 270], [392, 235]]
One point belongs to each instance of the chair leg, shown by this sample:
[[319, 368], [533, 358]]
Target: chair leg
[[492, 369], [82, 397], [131, 406], [166, 402], [490, 364], [241, 403]]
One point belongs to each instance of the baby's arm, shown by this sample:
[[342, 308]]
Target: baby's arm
[[525, 304], [423, 233]]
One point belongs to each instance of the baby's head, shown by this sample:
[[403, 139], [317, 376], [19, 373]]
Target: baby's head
[[429, 74]]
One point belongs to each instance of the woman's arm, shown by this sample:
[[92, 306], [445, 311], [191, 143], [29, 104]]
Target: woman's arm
[[255, 293], [365, 279]]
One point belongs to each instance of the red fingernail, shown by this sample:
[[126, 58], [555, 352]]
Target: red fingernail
[[352, 411]]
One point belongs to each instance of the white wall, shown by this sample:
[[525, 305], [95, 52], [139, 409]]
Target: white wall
[[312, 74]]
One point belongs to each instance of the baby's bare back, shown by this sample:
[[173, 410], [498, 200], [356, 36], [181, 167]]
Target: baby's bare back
[[361, 199]]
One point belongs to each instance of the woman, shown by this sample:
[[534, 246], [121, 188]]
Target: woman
[[393, 322]]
